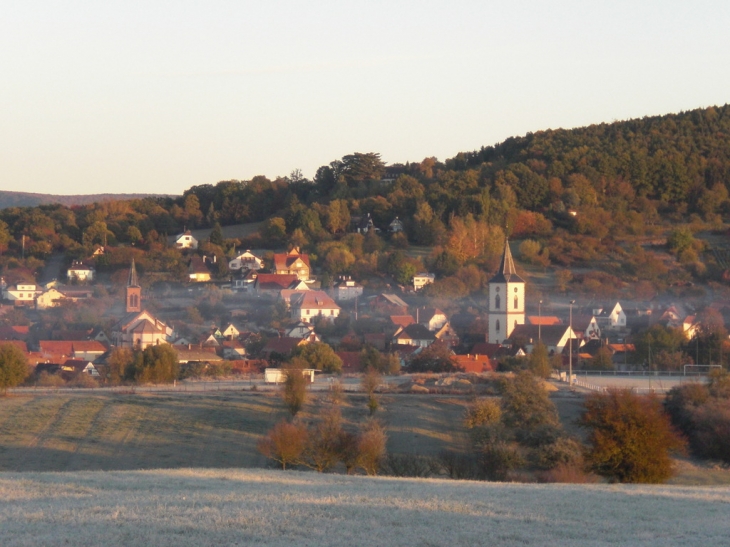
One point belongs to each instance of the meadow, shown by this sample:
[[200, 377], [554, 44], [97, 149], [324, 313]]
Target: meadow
[[192, 507]]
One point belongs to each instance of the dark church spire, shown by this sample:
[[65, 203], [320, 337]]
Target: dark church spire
[[132, 281], [507, 272]]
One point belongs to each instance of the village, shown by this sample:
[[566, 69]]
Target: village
[[273, 307]]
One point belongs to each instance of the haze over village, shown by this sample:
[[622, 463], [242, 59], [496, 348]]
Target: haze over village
[[344, 273]]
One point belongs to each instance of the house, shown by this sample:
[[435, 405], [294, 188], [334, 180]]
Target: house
[[414, 335], [351, 361], [246, 261], [141, 329], [193, 354], [447, 335], [388, 303], [89, 350], [475, 363], [555, 337], [22, 294], [15, 332], [395, 226], [246, 281], [346, 289], [691, 326], [365, 224], [80, 271], [186, 241], [432, 318], [300, 329], [282, 347], [622, 354], [494, 351], [614, 318], [50, 299], [586, 326], [230, 332], [80, 366], [273, 284], [233, 349], [292, 263], [422, 279], [308, 305], [198, 272]]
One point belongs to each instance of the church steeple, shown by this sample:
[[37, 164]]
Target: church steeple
[[133, 291], [507, 272]]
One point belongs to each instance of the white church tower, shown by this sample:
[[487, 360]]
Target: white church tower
[[506, 299]]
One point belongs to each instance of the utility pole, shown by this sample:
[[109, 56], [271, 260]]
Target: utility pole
[[570, 349], [539, 321]]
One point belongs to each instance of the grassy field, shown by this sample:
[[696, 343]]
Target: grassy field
[[67, 432], [193, 507]]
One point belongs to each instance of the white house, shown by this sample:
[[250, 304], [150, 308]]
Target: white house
[[395, 226], [186, 241], [22, 294], [308, 305], [347, 289], [80, 271], [246, 261], [612, 319], [422, 279], [431, 318]]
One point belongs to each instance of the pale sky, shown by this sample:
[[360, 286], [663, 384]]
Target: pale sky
[[157, 96]]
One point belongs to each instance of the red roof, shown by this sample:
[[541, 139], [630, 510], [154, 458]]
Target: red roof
[[275, 281], [283, 261], [56, 347], [19, 343], [314, 300], [350, 360], [402, 320], [283, 345], [474, 363], [543, 320]]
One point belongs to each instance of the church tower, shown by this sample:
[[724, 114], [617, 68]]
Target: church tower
[[506, 299], [134, 291]]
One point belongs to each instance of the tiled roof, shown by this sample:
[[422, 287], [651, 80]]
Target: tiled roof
[[507, 271], [402, 320], [315, 300]]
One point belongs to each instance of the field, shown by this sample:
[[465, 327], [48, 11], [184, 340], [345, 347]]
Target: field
[[192, 507], [106, 431]]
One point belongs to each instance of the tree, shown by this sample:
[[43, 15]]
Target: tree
[[603, 360], [322, 451], [539, 361], [216, 235], [370, 381], [371, 358], [156, 364], [525, 403], [285, 443], [120, 362], [13, 366], [371, 447], [294, 390], [435, 358], [630, 437], [319, 356]]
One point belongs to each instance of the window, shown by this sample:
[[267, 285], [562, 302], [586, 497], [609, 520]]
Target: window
[[497, 302], [516, 306], [496, 325]]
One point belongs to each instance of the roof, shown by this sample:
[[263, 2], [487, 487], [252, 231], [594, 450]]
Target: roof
[[132, 280], [283, 345], [544, 320], [393, 299], [197, 266], [621, 348], [549, 334], [88, 346], [474, 363], [71, 335], [507, 272], [283, 261], [275, 281], [314, 300], [56, 347], [426, 314], [402, 320], [350, 360], [185, 355], [19, 343], [416, 331], [14, 333], [491, 350]]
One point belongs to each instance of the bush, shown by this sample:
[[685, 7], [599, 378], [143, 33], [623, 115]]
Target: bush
[[371, 448], [459, 466], [323, 443], [411, 465], [563, 452], [710, 435], [82, 379], [496, 460], [50, 380], [482, 412], [525, 403], [13, 366], [294, 388], [567, 473], [285, 443], [630, 437]]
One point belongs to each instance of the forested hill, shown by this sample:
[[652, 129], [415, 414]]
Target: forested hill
[[669, 158], [27, 199]]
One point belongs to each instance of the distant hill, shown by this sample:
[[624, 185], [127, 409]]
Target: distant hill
[[27, 199]]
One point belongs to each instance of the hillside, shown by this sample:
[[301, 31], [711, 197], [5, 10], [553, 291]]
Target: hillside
[[193, 507], [27, 199]]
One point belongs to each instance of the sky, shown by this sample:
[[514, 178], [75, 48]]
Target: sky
[[157, 96]]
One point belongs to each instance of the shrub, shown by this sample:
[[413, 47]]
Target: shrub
[[82, 379], [525, 403], [322, 451], [13, 366], [371, 448], [630, 437], [411, 465], [50, 380], [482, 412], [567, 473], [563, 452], [496, 460], [710, 433], [285, 443], [294, 388], [459, 466]]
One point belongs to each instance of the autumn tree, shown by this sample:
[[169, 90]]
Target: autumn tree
[[630, 437], [285, 443], [294, 389], [13, 366], [120, 362]]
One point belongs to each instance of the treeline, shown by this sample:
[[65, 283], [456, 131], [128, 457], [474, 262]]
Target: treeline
[[570, 194]]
